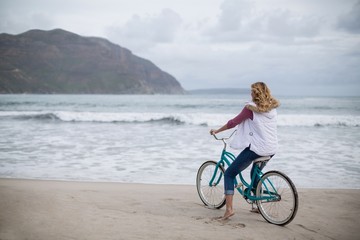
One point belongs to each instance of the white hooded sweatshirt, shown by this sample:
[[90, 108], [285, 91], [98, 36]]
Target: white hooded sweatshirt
[[260, 133]]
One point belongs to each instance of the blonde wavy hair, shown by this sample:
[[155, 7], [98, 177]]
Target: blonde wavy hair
[[261, 96]]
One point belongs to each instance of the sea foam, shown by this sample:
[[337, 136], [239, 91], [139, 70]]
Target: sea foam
[[202, 119]]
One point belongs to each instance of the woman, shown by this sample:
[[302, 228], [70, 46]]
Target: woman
[[256, 135]]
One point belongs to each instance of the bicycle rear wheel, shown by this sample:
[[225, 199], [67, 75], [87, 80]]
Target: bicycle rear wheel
[[279, 202], [212, 195]]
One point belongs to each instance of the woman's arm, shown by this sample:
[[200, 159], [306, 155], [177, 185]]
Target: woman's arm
[[223, 128], [245, 114]]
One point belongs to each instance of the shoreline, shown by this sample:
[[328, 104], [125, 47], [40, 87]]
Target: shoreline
[[146, 183], [55, 209]]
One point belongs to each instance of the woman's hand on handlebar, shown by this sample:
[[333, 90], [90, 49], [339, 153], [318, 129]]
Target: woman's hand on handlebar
[[223, 128], [213, 131]]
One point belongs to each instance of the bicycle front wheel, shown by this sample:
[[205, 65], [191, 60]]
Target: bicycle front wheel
[[279, 198], [211, 193]]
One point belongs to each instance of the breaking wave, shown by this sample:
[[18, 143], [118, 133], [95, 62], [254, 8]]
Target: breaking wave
[[202, 119]]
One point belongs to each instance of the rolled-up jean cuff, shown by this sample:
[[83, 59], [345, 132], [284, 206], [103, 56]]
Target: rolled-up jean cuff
[[229, 192]]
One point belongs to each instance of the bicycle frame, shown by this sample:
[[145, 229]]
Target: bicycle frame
[[227, 158]]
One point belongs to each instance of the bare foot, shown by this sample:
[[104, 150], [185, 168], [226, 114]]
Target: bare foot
[[217, 218], [227, 215]]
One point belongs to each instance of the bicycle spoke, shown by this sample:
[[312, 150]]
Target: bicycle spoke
[[279, 204], [212, 196]]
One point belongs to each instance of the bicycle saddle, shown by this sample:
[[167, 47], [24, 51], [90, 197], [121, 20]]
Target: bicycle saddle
[[262, 159]]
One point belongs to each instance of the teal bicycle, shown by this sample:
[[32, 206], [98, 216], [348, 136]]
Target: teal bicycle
[[275, 194]]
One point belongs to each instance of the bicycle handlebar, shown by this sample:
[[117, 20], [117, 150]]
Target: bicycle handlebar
[[223, 139]]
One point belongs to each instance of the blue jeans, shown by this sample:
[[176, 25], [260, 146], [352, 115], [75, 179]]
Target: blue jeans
[[242, 161]]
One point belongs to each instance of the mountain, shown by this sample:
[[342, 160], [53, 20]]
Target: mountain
[[59, 61]]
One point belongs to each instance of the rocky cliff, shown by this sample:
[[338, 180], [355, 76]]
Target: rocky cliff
[[58, 61]]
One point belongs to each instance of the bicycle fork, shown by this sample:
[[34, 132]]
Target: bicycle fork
[[214, 182]]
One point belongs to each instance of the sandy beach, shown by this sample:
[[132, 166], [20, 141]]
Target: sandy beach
[[42, 210]]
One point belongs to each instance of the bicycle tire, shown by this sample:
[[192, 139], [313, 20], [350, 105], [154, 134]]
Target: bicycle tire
[[282, 210], [212, 196]]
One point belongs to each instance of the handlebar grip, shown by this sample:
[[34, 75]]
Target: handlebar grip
[[215, 137], [223, 138]]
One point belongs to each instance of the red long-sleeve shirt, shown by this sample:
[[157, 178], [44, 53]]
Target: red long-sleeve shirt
[[242, 116]]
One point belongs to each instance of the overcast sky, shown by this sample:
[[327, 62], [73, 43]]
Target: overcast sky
[[298, 47]]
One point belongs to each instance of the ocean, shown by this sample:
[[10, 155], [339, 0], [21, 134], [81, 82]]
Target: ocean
[[163, 139]]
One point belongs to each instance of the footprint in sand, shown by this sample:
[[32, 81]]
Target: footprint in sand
[[239, 225], [217, 220]]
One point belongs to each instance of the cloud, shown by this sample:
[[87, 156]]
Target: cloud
[[228, 43], [43, 21], [10, 23], [350, 21], [283, 23], [141, 33], [233, 14], [240, 20], [245, 43]]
